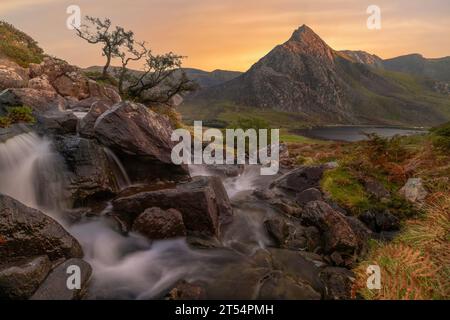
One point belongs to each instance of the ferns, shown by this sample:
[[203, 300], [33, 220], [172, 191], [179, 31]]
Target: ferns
[[416, 265]]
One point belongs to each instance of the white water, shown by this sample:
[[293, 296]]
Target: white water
[[31, 172], [124, 266]]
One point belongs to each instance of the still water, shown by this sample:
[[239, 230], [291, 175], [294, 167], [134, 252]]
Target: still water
[[355, 133]]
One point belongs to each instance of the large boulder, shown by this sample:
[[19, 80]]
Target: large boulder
[[20, 277], [337, 233], [38, 100], [142, 140], [56, 122], [87, 123], [156, 223], [55, 285], [270, 274], [203, 203], [41, 83], [28, 232], [90, 175], [300, 179]]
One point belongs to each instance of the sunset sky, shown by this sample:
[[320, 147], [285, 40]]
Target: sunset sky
[[234, 34]]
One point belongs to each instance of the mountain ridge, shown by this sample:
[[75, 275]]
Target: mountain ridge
[[306, 76]]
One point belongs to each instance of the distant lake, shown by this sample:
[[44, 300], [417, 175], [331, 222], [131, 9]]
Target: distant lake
[[355, 133]]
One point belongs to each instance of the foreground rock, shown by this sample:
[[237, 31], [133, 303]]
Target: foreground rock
[[336, 232], [155, 223], [19, 278], [300, 179], [271, 274], [27, 232], [414, 191], [141, 139], [55, 286], [203, 203]]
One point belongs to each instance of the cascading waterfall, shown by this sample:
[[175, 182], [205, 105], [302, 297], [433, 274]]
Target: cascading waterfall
[[32, 173], [129, 267]]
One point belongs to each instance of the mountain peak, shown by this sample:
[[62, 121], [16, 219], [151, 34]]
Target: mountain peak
[[304, 33]]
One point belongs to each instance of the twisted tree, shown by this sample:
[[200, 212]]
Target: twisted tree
[[161, 77]]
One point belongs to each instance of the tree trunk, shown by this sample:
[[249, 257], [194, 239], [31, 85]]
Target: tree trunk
[[106, 67]]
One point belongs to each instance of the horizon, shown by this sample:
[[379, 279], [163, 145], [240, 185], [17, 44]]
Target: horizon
[[233, 36]]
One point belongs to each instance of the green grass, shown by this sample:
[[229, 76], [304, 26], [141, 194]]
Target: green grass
[[18, 46], [344, 188], [223, 114], [20, 114]]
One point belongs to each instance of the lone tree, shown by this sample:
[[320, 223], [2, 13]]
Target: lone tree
[[98, 31], [161, 77]]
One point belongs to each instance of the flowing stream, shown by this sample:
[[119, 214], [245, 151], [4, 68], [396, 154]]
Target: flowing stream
[[128, 267]]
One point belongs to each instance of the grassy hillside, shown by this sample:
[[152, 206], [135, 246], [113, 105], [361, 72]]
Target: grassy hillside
[[18, 46]]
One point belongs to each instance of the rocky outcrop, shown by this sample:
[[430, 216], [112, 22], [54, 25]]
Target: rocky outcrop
[[155, 223], [141, 139], [20, 277], [40, 101], [12, 75], [55, 286], [27, 232], [203, 203]]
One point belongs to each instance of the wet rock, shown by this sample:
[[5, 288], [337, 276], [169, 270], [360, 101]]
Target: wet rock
[[376, 189], [378, 221], [282, 287], [414, 191], [20, 277], [336, 232], [264, 194], [288, 235], [338, 283], [300, 179], [286, 206], [226, 170], [55, 285], [186, 291], [268, 274], [90, 175], [86, 124], [57, 122], [308, 195], [203, 202], [141, 139], [28, 232], [155, 223]]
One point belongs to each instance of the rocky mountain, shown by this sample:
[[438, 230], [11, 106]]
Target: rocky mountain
[[416, 64], [304, 75], [364, 57]]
